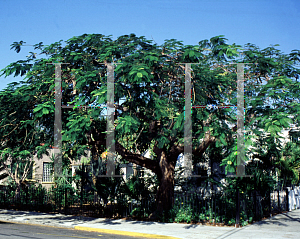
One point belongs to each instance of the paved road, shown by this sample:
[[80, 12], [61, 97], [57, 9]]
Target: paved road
[[286, 225], [22, 231]]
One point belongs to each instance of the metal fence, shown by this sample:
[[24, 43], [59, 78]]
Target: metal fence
[[218, 207], [215, 207], [294, 197], [69, 201]]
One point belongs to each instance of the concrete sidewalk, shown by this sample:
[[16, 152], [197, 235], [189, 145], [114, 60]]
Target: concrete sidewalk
[[280, 226]]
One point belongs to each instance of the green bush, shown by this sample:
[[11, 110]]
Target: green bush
[[244, 223], [186, 214], [64, 195], [231, 222], [137, 212], [202, 217]]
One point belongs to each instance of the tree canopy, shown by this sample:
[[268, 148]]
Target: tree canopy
[[149, 100]]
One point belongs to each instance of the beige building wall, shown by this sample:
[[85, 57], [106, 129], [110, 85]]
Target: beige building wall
[[38, 168], [40, 164]]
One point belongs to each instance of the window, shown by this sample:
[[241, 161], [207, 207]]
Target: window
[[47, 172], [295, 136]]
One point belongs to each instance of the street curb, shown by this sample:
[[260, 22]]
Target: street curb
[[36, 224], [91, 229], [124, 233]]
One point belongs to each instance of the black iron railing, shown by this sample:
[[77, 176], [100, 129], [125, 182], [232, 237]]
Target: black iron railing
[[213, 207]]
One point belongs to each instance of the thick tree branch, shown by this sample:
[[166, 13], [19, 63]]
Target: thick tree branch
[[208, 140], [97, 139], [136, 158], [26, 170], [174, 152]]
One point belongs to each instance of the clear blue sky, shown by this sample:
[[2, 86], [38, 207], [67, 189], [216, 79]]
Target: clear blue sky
[[261, 22]]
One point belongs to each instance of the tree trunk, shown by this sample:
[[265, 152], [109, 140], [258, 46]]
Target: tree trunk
[[165, 192], [163, 167], [18, 190]]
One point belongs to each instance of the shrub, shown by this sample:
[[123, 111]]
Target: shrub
[[185, 214]]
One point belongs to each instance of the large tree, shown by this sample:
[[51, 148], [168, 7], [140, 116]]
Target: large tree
[[152, 82], [19, 133]]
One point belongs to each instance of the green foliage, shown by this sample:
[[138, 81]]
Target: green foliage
[[151, 81], [140, 185], [137, 212], [289, 164], [107, 187], [231, 222], [127, 124], [185, 214]]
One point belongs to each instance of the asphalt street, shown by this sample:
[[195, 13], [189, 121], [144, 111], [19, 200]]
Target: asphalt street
[[22, 231], [19, 224]]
